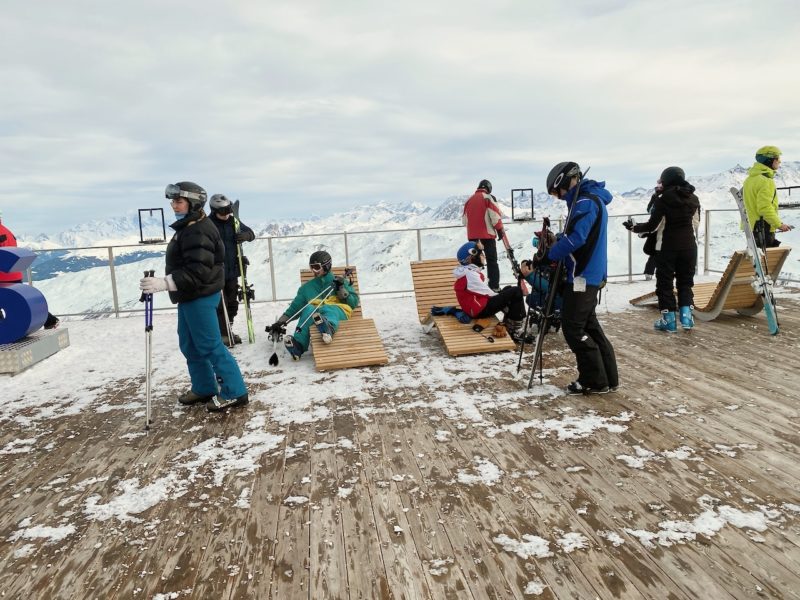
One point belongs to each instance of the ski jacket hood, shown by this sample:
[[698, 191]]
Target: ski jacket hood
[[584, 243], [759, 169]]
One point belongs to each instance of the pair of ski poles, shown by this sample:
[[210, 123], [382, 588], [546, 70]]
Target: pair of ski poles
[[322, 296], [148, 336]]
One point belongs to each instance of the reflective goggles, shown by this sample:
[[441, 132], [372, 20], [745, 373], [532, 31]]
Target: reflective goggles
[[173, 192], [224, 210], [475, 251], [316, 267]]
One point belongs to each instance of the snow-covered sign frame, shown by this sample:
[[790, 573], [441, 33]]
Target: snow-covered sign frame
[[522, 204], [153, 216]]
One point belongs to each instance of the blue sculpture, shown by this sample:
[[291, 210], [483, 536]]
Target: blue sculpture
[[24, 307]]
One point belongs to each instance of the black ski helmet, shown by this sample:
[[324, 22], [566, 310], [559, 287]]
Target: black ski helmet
[[486, 185], [218, 201], [190, 191], [322, 258], [672, 176], [561, 175]]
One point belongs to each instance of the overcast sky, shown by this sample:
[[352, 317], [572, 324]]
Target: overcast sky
[[310, 107]]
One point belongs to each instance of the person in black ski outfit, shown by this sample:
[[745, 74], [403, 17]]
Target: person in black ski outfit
[[222, 217], [674, 220]]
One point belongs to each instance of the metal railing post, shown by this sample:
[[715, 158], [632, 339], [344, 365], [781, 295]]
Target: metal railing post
[[419, 244], [113, 281], [271, 268], [706, 244], [346, 251]]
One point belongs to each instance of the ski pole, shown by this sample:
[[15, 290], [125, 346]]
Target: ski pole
[[273, 360], [231, 343], [327, 291], [316, 308], [148, 336]]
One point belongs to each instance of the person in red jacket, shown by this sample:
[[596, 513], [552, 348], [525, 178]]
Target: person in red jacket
[[476, 298], [7, 239], [483, 221]]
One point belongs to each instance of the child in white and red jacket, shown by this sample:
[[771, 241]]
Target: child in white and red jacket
[[478, 300]]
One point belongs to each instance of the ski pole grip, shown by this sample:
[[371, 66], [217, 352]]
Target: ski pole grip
[[150, 273]]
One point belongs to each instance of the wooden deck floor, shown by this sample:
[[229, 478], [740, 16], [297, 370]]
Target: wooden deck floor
[[400, 495]]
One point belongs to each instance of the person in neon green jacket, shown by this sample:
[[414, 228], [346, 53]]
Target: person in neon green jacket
[[321, 302], [761, 197]]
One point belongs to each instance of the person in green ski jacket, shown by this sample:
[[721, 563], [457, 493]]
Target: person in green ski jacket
[[761, 197], [323, 302]]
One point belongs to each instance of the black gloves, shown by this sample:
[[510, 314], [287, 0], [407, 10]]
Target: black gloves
[[628, 224], [338, 286], [279, 326], [500, 234], [242, 237]]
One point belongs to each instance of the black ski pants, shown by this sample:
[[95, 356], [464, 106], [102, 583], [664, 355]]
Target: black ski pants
[[765, 237], [492, 268], [230, 296], [678, 266], [597, 363], [510, 301]]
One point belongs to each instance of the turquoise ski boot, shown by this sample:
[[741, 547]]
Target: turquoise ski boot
[[666, 322], [687, 320]]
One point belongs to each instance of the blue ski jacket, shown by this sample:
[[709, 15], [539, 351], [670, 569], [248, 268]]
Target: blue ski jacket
[[584, 244]]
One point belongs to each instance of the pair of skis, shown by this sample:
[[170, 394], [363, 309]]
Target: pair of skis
[[246, 291], [762, 282]]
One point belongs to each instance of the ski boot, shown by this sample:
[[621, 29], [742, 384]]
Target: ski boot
[[516, 329], [666, 322], [190, 397], [292, 347], [577, 389], [687, 320], [217, 404], [324, 328]]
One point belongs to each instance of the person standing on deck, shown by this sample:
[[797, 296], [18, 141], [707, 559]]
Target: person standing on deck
[[761, 197], [482, 218]]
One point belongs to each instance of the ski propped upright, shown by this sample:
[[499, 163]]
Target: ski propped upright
[[246, 293], [762, 284]]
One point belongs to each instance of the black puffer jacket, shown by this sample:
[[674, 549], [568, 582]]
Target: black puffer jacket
[[195, 258], [674, 218], [227, 231]]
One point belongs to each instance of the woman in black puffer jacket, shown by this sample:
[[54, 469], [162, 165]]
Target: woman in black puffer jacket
[[674, 221]]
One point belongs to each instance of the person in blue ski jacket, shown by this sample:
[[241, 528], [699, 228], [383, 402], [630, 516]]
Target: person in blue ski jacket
[[222, 216], [322, 302], [583, 246], [194, 278]]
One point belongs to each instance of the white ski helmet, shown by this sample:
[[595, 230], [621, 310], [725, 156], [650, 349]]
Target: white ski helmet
[[219, 201]]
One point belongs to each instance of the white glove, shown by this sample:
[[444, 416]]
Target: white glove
[[152, 285]]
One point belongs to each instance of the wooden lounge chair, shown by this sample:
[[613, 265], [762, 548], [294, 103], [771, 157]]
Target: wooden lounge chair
[[433, 286], [733, 291], [355, 344]]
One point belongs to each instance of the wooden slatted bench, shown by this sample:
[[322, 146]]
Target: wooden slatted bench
[[733, 291], [433, 286], [355, 344]]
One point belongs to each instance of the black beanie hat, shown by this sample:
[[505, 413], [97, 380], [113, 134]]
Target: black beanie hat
[[672, 176]]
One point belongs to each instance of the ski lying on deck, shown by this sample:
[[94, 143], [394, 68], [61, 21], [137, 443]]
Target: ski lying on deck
[[762, 284]]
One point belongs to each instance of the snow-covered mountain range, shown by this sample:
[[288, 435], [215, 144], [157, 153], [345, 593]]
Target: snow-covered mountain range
[[79, 280]]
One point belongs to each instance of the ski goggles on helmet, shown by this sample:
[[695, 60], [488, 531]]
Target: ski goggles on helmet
[[173, 192], [224, 210], [316, 267]]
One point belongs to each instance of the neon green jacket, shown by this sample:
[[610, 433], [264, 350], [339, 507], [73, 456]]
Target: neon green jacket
[[760, 196]]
